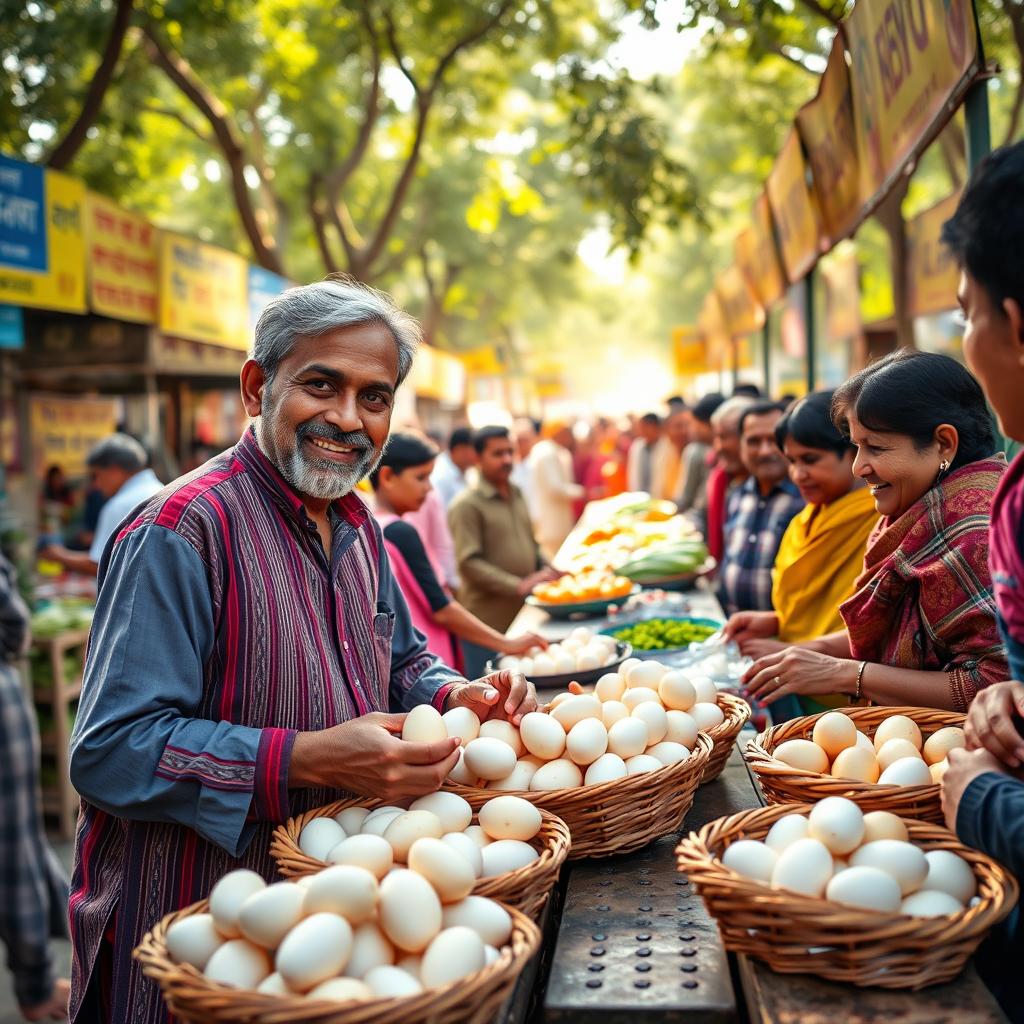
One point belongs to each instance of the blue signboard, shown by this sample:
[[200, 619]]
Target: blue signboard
[[263, 286], [22, 216], [12, 327]]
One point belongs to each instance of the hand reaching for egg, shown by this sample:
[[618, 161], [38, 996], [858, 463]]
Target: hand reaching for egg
[[504, 694]]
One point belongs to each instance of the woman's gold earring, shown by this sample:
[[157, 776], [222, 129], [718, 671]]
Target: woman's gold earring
[[944, 466]]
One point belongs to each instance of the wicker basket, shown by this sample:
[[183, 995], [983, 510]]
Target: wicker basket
[[796, 934], [475, 999], [782, 784], [737, 714], [620, 816], [527, 889]]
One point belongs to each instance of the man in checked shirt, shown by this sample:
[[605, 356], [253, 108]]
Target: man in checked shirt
[[757, 514]]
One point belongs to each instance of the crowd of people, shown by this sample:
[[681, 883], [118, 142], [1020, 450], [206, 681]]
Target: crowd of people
[[259, 632]]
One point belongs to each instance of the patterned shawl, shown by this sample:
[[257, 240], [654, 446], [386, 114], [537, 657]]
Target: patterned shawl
[[924, 600]]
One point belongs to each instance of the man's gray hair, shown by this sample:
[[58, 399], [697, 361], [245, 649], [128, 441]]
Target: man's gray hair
[[118, 451], [732, 408], [325, 306]]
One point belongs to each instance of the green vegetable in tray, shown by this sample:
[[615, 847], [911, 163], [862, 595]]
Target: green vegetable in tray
[[663, 634], [676, 558]]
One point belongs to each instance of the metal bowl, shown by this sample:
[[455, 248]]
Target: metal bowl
[[583, 609], [622, 652]]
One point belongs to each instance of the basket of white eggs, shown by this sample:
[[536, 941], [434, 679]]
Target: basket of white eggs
[[338, 947], [885, 758], [582, 657], [508, 850], [870, 899]]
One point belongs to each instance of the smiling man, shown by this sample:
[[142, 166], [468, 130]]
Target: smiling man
[[251, 653]]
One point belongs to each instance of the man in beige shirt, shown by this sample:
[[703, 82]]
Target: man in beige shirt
[[498, 556]]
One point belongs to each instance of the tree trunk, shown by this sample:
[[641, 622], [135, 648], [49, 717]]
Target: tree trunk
[[890, 216]]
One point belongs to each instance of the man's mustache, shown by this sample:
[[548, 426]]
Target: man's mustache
[[349, 439]]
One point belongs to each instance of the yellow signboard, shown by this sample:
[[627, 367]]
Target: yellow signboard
[[758, 257], [203, 292], [482, 362], [932, 273], [689, 351], [909, 58], [712, 328], [741, 310], [840, 272], [793, 209], [826, 127], [42, 239], [65, 430], [121, 261]]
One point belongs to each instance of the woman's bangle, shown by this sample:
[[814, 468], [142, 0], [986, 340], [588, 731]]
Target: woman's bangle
[[855, 699]]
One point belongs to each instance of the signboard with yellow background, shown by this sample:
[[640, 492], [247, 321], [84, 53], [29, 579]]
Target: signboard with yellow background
[[712, 328], [758, 256], [121, 261], [689, 351], [743, 315], [65, 430], [793, 210], [932, 274]]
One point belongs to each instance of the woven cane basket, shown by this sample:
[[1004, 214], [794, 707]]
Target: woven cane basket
[[796, 934], [475, 999], [782, 784], [737, 714], [619, 816], [527, 889]]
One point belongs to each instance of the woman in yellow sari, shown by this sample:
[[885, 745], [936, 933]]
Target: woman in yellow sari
[[822, 551]]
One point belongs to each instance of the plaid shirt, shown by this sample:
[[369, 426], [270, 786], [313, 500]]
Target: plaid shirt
[[754, 526]]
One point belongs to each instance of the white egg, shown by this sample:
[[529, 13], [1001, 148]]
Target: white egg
[[460, 773], [613, 711], [409, 910], [938, 769], [572, 645], [489, 920], [907, 771], [611, 686], [560, 774], [883, 825], [451, 874], [638, 695], [452, 811], [564, 663], [751, 859], [803, 755], [639, 764], [929, 903], [656, 720], [351, 819], [856, 764], [647, 674], [465, 848], [677, 692], [316, 949], [238, 964], [268, 915], [193, 940], [341, 990], [526, 666], [542, 735], [478, 835], [273, 985], [904, 861], [668, 752], [508, 663], [518, 780], [681, 728], [587, 661], [838, 823], [940, 743], [493, 955], [377, 821], [373, 853], [897, 726], [490, 759], [804, 866], [558, 699], [392, 983], [227, 897], [870, 888], [629, 737], [543, 665], [453, 954], [607, 768], [463, 722], [424, 725], [707, 716], [581, 635], [864, 741], [950, 874], [510, 817], [413, 825], [575, 709], [587, 741], [834, 732], [319, 837], [895, 750], [707, 692], [786, 831], [343, 889], [499, 729], [370, 949], [505, 855]]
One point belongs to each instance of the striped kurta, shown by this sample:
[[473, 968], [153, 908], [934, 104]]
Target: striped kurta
[[221, 629]]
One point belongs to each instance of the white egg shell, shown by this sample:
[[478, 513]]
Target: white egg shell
[[563, 661], [629, 737], [638, 764], [543, 665], [572, 644], [453, 954], [499, 729], [707, 716], [193, 940], [461, 722], [376, 823], [343, 889], [804, 866], [938, 769], [409, 911], [864, 741], [493, 955], [341, 990], [907, 771], [461, 844], [581, 635], [508, 662], [834, 732], [751, 859], [681, 728], [677, 692], [371, 852], [518, 780], [273, 985], [904, 861], [656, 720], [452, 811], [838, 823], [857, 764], [319, 837], [238, 964], [870, 888], [575, 709], [587, 741], [668, 753], [638, 695], [929, 903], [478, 835], [542, 735], [370, 949], [424, 725], [607, 768], [351, 819], [227, 897], [526, 666], [950, 874], [392, 983], [803, 755], [883, 825], [940, 743], [268, 915], [707, 692], [510, 817], [786, 831], [560, 774], [587, 661], [505, 855], [897, 726], [895, 750], [413, 825], [450, 873], [489, 920], [316, 949], [613, 711], [558, 699], [461, 773], [626, 666], [647, 674], [611, 686], [489, 759]]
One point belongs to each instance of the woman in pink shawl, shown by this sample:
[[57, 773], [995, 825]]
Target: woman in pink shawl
[[401, 483]]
